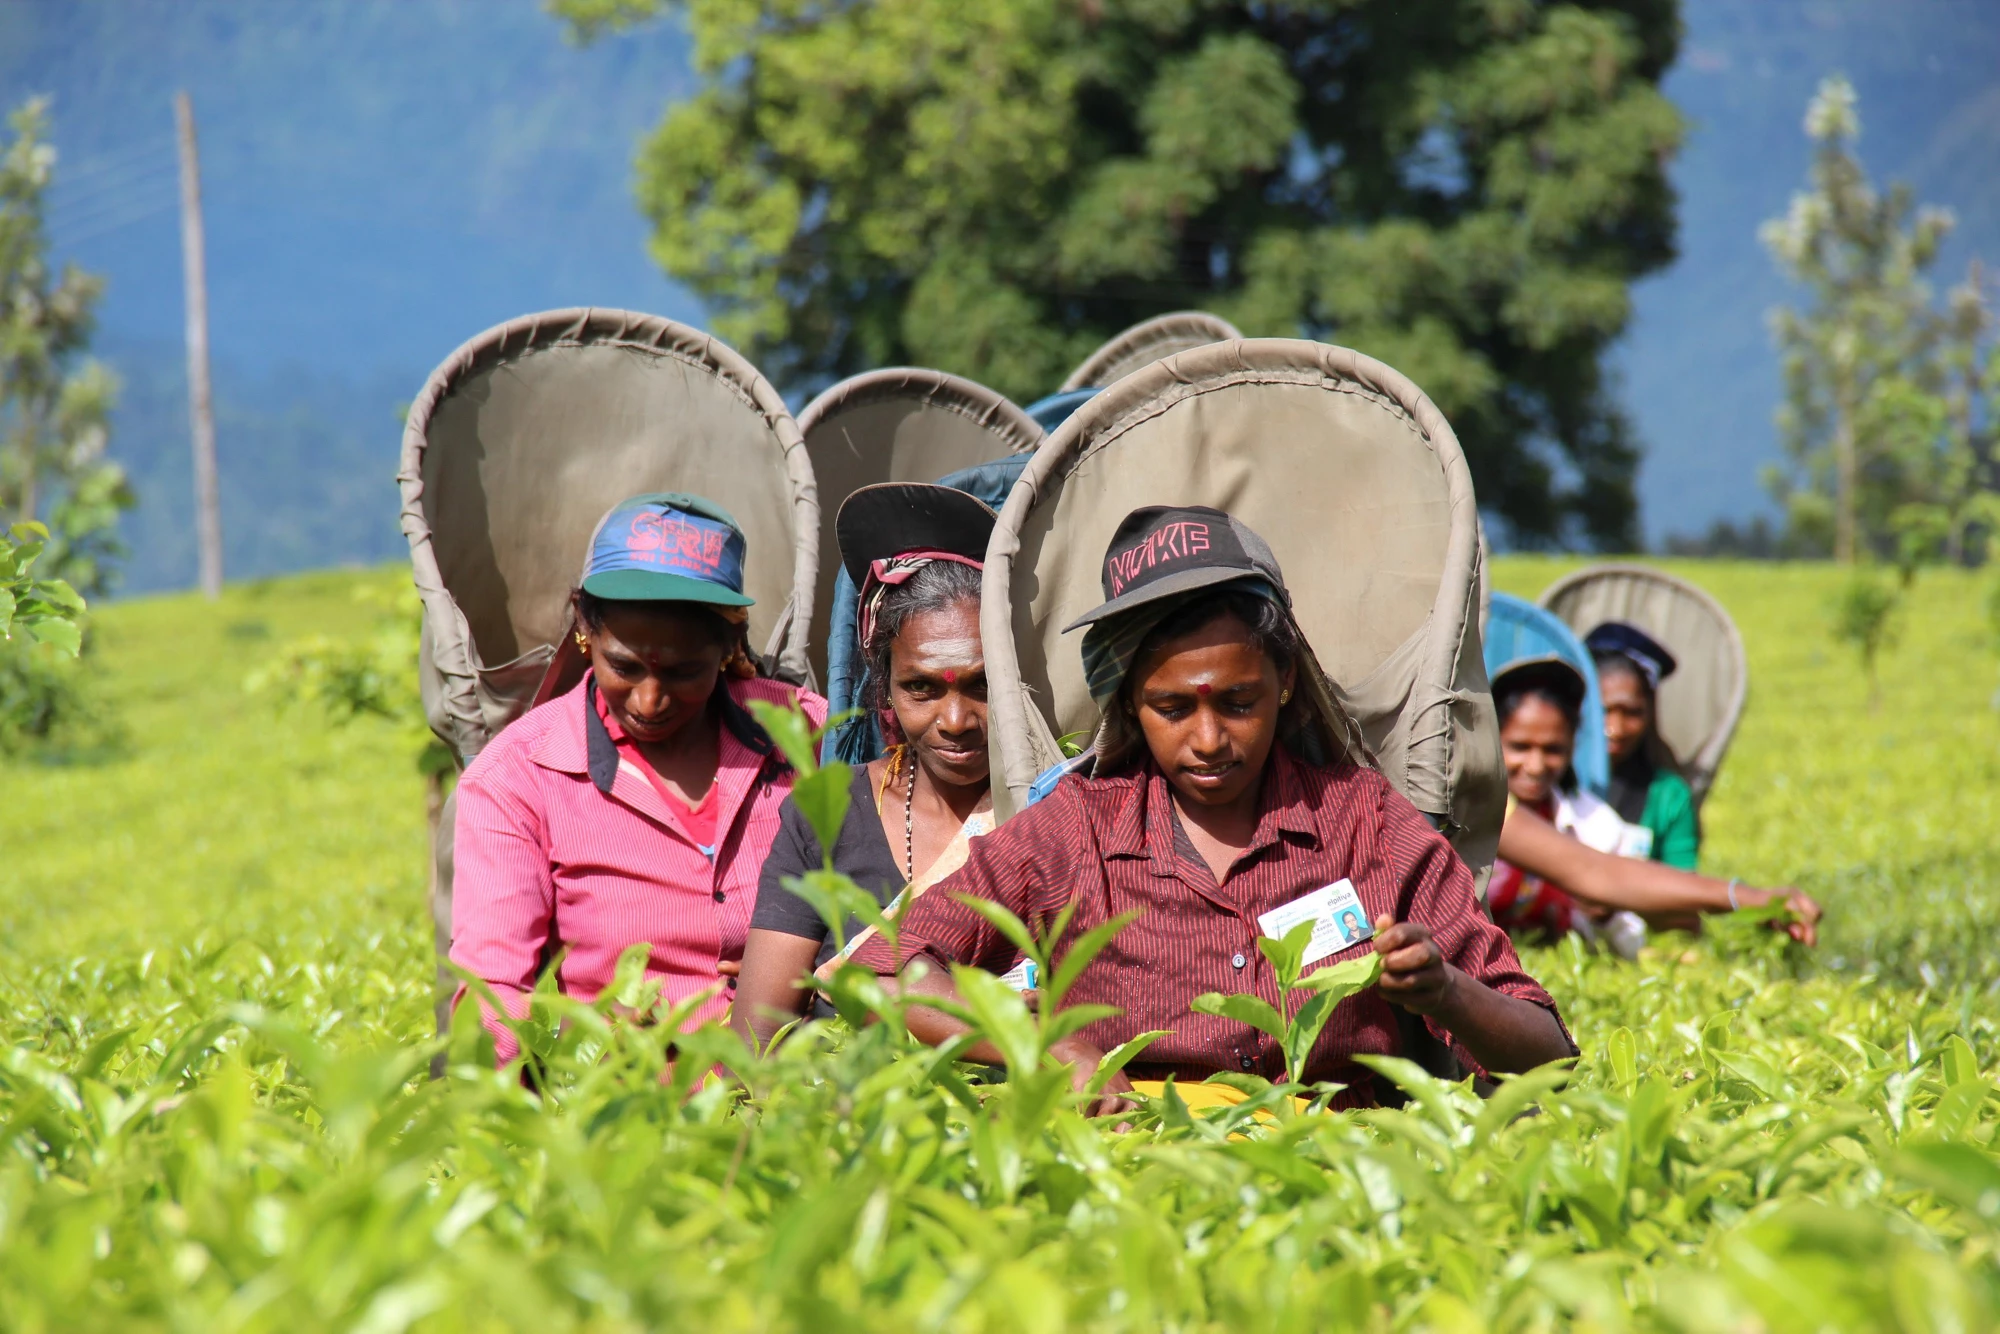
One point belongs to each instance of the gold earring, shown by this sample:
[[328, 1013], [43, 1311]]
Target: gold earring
[[1285, 697], [583, 641]]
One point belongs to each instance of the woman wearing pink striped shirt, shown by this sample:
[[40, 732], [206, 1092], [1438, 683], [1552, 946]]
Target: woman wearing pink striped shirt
[[640, 805]]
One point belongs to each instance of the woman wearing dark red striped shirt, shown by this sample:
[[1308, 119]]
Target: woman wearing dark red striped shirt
[[1227, 783]]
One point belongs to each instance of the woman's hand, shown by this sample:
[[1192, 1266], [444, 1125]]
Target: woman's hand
[[1505, 1034], [1414, 973], [1083, 1059], [1802, 926]]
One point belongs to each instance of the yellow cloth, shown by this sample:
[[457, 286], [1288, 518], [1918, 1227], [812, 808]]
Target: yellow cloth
[[1208, 1095]]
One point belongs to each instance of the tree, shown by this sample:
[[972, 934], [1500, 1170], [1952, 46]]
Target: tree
[[1864, 617], [1463, 188], [42, 609], [1950, 439], [54, 402], [1861, 377]]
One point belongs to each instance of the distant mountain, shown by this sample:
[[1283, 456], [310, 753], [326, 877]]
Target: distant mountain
[[382, 180], [385, 178], [307, 460], [1700, 375]]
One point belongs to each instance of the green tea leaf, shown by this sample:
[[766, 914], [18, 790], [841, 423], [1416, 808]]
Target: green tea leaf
[[1244, 1010], [788, 726], [1122, 1055], [57, 634], [998, 1012], [1285, 955], [1341, 980], [1005, 923], [1081, 951], [1960, 1065], [822, 797]]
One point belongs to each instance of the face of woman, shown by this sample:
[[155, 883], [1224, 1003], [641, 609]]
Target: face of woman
[[1628, 714], [1535, 745], [1208, 705], [656, 667], [937, 686]]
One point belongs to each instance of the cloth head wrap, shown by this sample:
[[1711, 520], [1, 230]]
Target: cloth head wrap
[[892, 572]]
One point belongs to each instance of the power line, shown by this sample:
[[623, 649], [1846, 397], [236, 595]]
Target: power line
[[105, 228], [144, 151], [67, 193]]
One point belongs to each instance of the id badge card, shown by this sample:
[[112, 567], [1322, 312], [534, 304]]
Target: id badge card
[[1339, 921]]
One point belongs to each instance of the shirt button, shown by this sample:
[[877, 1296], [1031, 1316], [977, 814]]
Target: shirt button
[[718, 896], [1239, 960], [1248, 1064]]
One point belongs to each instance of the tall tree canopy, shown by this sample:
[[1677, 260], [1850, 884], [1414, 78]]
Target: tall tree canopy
[[55, 402], [1890, 403], [1462, 188]]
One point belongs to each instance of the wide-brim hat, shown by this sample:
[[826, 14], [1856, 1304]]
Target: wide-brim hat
[[893, 519], [1557, 675]]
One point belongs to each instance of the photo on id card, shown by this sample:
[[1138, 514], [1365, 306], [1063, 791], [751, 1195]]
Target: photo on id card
[[1339, 921]]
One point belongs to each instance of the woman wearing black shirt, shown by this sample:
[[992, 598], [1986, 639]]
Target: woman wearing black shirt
[[914, 552]]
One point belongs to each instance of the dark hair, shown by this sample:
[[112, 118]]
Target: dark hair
[[1271, 630], [940, 585], [1511, 699]]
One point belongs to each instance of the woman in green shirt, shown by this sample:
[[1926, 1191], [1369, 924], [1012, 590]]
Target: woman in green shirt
[[1646, 786]]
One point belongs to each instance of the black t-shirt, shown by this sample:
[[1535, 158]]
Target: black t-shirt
[[861, 853]]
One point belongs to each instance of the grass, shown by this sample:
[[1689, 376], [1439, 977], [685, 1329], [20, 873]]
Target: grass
[[222, 821], [214, 999]]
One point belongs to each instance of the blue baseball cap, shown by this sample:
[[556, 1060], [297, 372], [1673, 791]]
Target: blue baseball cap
[[667, 547]]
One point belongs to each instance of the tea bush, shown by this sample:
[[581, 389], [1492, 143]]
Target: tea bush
[[215, 999]]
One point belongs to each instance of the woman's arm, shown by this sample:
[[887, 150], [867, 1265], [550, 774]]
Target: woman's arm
[[1651, 889], [768, 994], [1505, 1034], [503, 898]]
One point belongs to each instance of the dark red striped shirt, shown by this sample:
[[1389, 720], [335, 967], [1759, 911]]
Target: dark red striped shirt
[[1115, 845]]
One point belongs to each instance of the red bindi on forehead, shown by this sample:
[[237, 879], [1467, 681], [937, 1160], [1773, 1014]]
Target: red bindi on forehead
[[950, 677], [1204, 688]]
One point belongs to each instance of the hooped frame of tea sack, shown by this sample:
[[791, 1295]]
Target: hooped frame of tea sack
[[515, 448], [1701, 704], [1149, 341], [519, 443], [902, 424], [1512, 629], [1356, 481]]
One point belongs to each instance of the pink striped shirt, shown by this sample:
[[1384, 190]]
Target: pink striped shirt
[[544, 862]]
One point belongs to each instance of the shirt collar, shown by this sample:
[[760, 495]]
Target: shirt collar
[[582, 743], [1144, 823]]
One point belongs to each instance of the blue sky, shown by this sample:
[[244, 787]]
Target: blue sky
[[385, 178]]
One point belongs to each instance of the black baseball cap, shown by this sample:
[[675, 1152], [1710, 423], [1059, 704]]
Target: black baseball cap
[[1161, 551], [893, 518]]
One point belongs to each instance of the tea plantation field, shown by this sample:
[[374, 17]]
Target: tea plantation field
[[215, 1018]]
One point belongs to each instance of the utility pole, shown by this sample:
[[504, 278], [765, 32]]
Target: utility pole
[[201, 413]]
